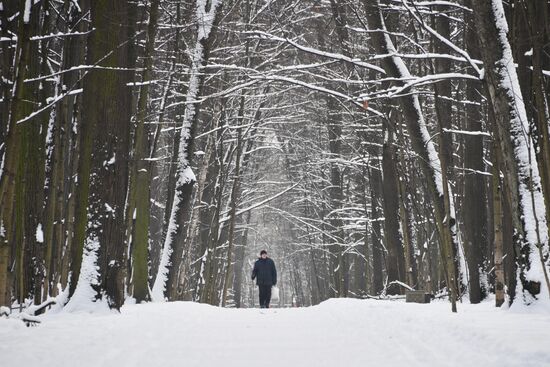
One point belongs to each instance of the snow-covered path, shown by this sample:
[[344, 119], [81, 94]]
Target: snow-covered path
[[339, 332]]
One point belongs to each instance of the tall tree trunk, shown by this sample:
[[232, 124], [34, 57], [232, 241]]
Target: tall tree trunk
[[518, 155], [103, 165], [407, 224], [239, 260], [338, 262], [537, 17], [212, 232], [55, 215], [423, 146], [498, 224], [165, 286], [8, 32], [375, 180], [405, 208], [443, 109], [139, 195], [474, 207], [12, 198], [33, 163], [395, 267], [235, 191]]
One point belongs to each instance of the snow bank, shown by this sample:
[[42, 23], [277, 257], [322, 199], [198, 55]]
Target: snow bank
[[339, 332]]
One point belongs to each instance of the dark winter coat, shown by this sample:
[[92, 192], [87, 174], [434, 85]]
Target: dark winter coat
[[264, 272]]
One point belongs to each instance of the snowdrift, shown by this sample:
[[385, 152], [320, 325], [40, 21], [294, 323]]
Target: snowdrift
[[338, 332]]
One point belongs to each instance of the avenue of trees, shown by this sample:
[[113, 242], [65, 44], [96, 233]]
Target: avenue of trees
[[150, 148]]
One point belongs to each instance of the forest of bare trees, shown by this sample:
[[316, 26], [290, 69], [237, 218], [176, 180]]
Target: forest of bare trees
[[151, 148]]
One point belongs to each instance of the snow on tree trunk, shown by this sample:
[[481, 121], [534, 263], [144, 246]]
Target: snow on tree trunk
[[105, 134], [422, 143], [173, 246], [521, 170]]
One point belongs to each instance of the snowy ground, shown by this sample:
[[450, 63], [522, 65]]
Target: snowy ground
[[339, 332]]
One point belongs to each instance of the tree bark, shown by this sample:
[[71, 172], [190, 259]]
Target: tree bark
[[139, 195], [55, 213], [235, 191], [423, 146], [498, 223], [165, 286], [12, 188], [536, 15], [395, 260], [375, 180], [474, 207], [521, 175], [103, 172]]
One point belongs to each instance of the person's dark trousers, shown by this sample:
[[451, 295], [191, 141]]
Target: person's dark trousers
[[265, 295]]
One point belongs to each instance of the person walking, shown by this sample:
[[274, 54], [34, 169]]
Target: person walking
[[265, 274]]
